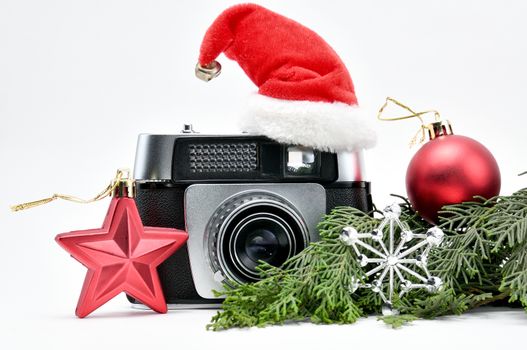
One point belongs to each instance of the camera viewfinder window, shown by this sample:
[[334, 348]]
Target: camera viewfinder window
[[301, 161]]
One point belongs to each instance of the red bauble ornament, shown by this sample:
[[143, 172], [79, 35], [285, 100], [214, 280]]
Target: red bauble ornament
[[450, 169], [122, 256]]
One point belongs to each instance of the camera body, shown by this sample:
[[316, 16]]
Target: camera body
[[242, 199]]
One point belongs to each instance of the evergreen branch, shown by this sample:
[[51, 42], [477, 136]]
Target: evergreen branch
[[313, 284], [515, 275], [397, 321], [482, 260], [509, 220], [462, 257], [445, 302], [492, 299]]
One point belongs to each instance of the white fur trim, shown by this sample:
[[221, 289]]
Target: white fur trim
[[333, 127]]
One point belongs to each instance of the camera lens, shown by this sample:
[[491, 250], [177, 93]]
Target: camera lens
[[262, 245], [258, 229], [260, 236]]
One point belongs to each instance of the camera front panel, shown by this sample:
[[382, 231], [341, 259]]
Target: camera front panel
[[232, 227]]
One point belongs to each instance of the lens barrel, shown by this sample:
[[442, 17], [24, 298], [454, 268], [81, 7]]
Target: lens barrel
[[260, 236], [251, 229]]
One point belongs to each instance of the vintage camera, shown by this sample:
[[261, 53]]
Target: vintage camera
[[242, 199]]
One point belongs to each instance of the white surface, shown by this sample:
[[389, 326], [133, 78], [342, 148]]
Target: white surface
[[80, 79]]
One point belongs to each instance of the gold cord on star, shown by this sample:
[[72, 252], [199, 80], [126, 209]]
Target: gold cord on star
[[122, 174]]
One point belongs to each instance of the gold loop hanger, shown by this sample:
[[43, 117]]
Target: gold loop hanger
[[121, 174], [413, 114]]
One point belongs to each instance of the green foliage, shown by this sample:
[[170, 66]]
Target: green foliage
[[311, 285], [483, 259], [397, 321], [508, 220], [463, 258], [515, 275], [444, 302]]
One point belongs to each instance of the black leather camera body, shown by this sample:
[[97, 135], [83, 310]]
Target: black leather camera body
[[242, 199]]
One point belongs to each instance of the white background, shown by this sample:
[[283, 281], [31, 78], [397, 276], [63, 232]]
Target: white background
[[80, 79]]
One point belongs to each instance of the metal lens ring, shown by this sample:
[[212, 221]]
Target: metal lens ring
[[261, 236], [253, 226]]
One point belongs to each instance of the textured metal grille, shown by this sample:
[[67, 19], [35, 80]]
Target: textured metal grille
[[223, 157]]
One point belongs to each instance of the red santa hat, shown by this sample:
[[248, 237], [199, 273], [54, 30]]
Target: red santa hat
[[306, 95]]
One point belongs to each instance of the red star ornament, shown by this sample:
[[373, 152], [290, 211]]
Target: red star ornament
[[122, 256]]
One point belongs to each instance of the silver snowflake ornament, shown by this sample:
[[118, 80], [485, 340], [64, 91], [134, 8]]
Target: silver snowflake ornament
[[405, 260]]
